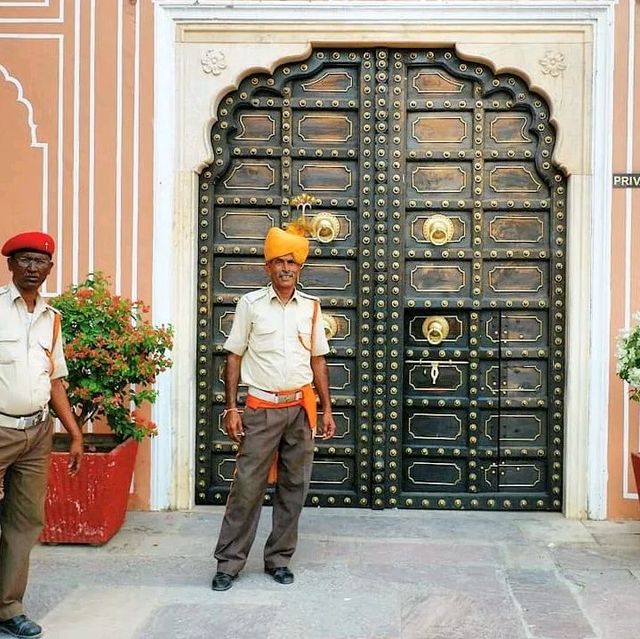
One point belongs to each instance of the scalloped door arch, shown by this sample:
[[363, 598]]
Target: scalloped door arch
[[386, 138]]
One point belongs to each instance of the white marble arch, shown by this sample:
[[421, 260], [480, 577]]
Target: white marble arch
[[562, 48]]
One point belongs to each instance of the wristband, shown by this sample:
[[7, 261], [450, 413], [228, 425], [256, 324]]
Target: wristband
[[230, 410]]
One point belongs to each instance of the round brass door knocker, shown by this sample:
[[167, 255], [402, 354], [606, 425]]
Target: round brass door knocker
[[330, 325], [435, 329], [325, 227], [438, 229]]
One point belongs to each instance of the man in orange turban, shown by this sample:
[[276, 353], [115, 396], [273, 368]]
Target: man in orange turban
[[277, 347], [279, 243]]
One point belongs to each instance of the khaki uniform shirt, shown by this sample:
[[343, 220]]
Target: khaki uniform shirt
[[28, 360], [275, 339]]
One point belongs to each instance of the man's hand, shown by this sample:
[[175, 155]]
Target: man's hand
[[233, 426], [328, 426], [321, 382], [76, 449], [60, 404]]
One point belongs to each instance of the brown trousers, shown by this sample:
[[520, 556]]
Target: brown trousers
[[287, 431], [24, 462]]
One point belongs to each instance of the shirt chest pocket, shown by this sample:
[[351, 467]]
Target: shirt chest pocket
[[304, 333], [9, 348], [264, 337]]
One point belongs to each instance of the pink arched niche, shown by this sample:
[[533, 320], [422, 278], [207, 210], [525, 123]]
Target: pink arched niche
[[23, 161]]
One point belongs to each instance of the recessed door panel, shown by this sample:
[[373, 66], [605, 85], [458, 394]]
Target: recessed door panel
[[425, 476], [330, 179], [433, 428], [518, 231], [325, 128], [257, 127], [421, 234], [244, 226], [254, 176], [439, 130], [438, 280], [436, 379], [429, 181], [417, 337]]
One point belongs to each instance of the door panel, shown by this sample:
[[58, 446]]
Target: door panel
[[442, 282]]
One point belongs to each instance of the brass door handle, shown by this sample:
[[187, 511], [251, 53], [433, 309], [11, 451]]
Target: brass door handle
[[435, 329], [330, 325], [438, 229], [325, 227]]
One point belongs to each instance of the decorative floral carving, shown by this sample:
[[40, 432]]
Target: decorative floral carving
[[303, 201], [213, 62], [553, 63]]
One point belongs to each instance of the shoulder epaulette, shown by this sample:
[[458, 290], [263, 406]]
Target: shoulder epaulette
[[315, 298], [51, 308], [4, 289], [254, 296]]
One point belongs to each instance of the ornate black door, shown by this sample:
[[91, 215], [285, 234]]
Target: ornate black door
[[439, 260]]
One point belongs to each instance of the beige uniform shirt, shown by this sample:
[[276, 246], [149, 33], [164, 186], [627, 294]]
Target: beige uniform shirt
[[28, 361], [275, 339]]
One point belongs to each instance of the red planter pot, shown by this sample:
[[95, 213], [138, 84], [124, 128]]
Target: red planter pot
[[635, 462], [90, 507]]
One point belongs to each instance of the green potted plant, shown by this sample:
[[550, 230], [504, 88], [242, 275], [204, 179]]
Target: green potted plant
[[113, 355], [628, 369]]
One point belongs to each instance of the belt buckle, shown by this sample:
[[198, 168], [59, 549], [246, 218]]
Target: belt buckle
[[30, 422], [289, 397]]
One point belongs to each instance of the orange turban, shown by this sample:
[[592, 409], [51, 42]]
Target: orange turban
[[279, 243]]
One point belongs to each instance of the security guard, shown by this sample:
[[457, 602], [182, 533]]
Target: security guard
[[277, 346], [32, 366]]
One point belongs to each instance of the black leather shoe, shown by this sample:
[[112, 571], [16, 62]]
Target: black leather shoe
[[281, 574], [21, 626], [222, 581]]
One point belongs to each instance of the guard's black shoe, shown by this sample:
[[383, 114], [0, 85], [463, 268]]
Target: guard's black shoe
[[280, 574], [21, 626], [222, 581]]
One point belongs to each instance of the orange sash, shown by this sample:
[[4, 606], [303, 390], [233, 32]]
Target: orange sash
[[308, 401]]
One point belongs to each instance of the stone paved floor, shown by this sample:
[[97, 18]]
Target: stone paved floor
[[359, 575]]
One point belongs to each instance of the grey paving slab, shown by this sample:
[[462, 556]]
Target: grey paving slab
[[528, 557], [193, 621], [616, 533], [610, 599], [596, 557], [353, 615], [44, 595], [548, 606], [555, 530], [612, 526], [454, 615], [359, 575], [455, 526]]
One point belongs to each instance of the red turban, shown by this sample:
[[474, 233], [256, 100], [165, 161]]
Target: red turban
[[279, 243], [31, 241]]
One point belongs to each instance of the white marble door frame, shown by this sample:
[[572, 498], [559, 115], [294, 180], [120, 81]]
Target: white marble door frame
[[525, 37]]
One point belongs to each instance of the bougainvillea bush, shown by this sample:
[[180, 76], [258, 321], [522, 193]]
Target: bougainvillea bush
[[113, 354], [629, 359]]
